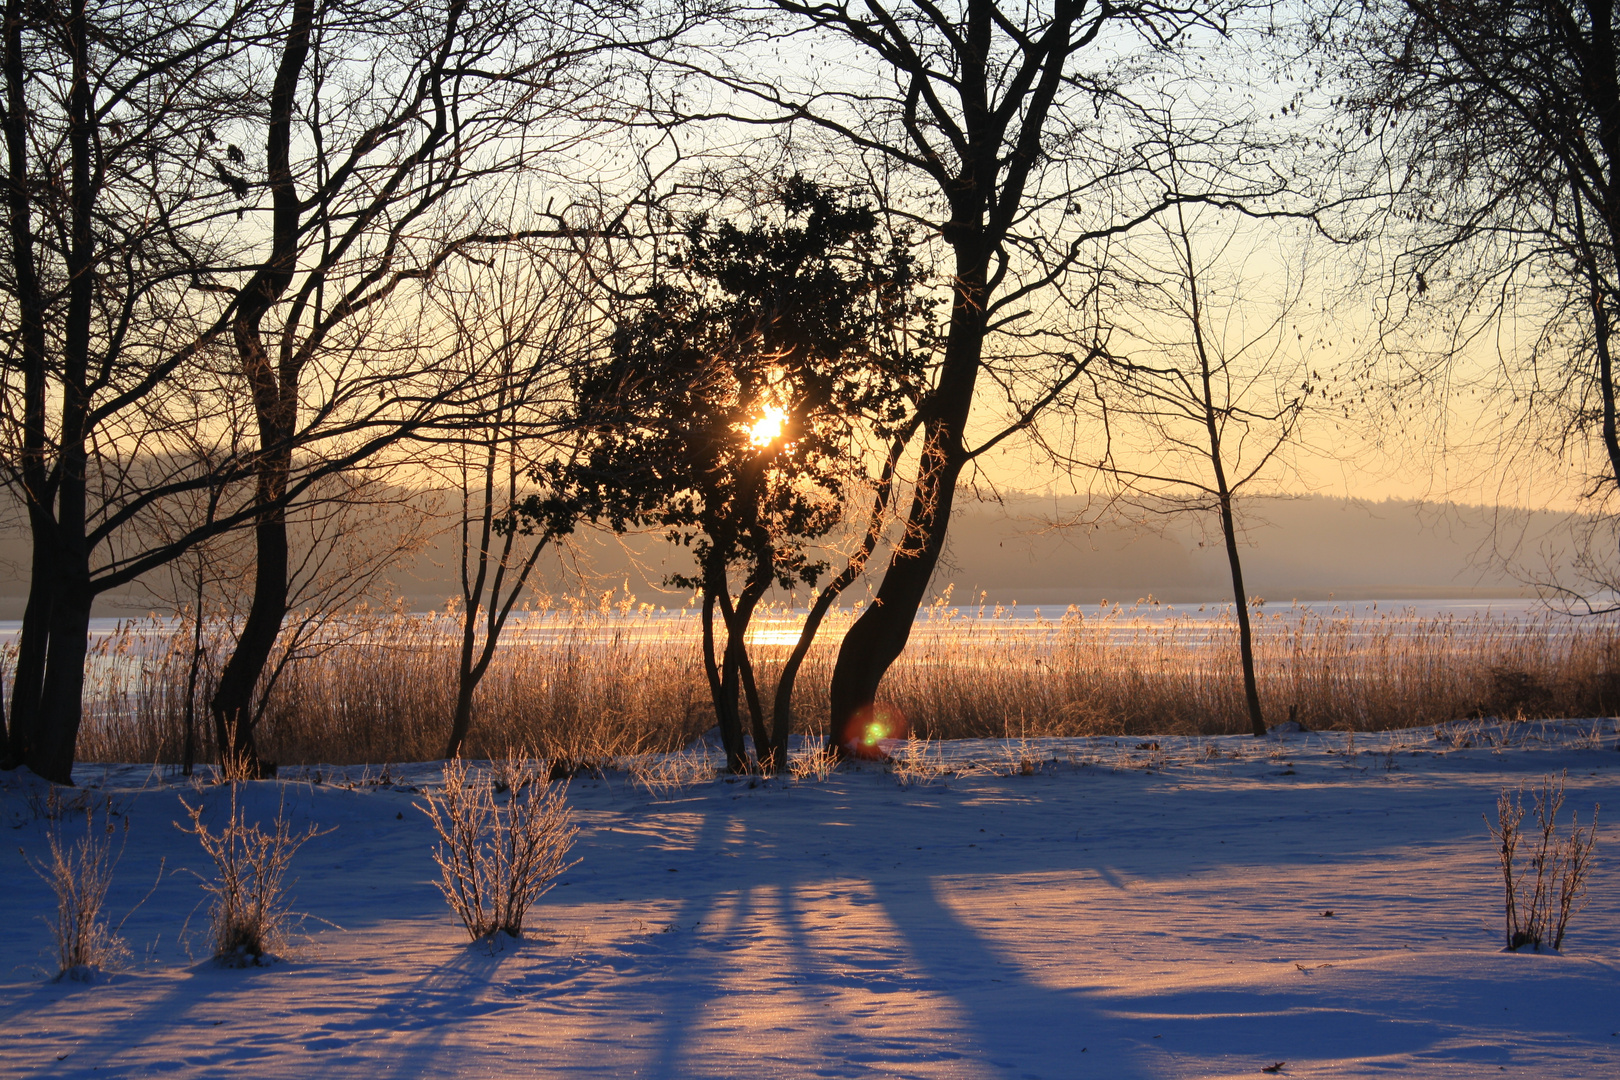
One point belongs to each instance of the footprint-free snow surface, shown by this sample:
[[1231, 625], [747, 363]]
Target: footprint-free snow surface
[[1302, 906]]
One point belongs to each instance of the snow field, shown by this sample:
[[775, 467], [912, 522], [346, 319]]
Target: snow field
[[1129, 910]]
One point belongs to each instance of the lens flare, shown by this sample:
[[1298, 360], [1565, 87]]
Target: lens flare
[[768, 428], [877, 725]]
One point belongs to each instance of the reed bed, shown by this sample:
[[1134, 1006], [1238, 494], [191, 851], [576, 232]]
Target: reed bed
[[1125, 674], [585, 686]]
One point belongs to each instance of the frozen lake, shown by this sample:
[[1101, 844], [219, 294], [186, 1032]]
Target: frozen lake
[[778, 626]]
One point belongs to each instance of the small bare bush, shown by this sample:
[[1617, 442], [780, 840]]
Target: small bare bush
[[52, 807], [1538, 902], [497, 857], [79, 874], [249, 920]]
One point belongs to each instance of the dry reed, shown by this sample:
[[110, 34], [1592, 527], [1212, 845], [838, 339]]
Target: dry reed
[[583, 686]]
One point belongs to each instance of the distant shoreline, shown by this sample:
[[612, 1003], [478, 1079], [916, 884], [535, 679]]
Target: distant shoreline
[[1437, 603]]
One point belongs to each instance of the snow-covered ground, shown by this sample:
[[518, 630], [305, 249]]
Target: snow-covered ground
[[1125, 911]]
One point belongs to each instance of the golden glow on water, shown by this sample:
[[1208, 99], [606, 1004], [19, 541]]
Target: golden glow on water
[[768, 428]]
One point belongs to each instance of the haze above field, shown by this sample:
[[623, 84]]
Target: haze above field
[[1019, 551]]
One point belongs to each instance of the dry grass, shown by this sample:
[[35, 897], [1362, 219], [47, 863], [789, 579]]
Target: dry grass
[[577, 688], [811, 761], [917, 763], [585, 687], [1120, 674], [663, 775]]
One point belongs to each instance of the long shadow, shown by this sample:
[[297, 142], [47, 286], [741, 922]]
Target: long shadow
[[405, 1023], [409, 1025], [854, 830], [181, 1002], [827, 971], [1023, 1029], [1018, 1026], [664, 978]]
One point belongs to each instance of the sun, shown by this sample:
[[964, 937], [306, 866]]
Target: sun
[[768, 428]]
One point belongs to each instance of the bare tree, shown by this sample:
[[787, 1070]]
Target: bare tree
[[211, 209], [1486, 129], [112, 401], [1202, 397], [527, 322], [394, 135]]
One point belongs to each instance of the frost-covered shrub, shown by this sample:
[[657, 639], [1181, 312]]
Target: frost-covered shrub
[[497, 856], [1539, 901], [249, 919]]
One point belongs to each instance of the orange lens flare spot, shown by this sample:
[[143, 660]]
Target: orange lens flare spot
[[876, 724]]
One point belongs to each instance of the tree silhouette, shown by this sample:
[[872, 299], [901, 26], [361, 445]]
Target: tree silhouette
[[1003, 131], [737, 405]]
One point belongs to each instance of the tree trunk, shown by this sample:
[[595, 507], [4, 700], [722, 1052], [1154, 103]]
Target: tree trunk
[[878, 637], [782, 708], [28, 677], [737, 666], [730, 733], [880, 634], [54, 730], [468, 673], [1251, 690], [188, 747], [275, 403], [724, 678], [51, 753], [29, 674], [472, 672], [462, 720], [232, 706]]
